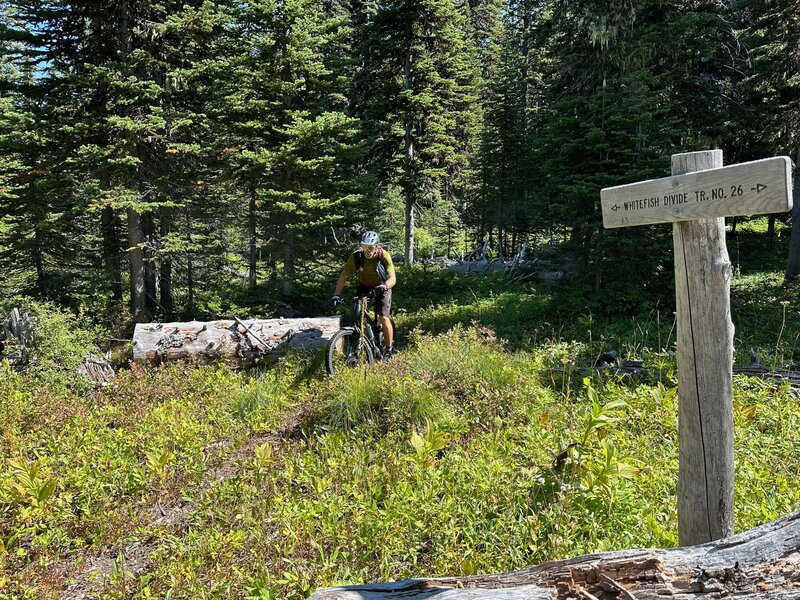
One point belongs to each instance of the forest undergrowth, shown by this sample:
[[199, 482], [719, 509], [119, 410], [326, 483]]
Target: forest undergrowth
[[484, 446]]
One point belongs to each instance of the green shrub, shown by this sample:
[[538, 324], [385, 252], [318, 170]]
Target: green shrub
[[59, 339]]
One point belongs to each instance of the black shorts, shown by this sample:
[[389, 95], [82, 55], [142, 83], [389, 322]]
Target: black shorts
[[383, 300]]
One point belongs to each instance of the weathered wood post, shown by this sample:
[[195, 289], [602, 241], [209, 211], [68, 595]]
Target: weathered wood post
[[700, 192], [705, 362]]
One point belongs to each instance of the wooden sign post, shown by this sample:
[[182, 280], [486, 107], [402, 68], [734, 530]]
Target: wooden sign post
[[696, 198]]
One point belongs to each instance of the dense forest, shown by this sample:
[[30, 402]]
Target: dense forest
[[179, 158]]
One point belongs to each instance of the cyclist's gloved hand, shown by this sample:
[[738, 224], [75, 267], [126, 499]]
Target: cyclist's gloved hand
[[379, 289], [336, 299]]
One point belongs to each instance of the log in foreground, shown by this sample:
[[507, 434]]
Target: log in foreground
[[760, 564], [237, 340]]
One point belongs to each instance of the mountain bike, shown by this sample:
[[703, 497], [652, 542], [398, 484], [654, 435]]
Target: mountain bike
[[360, 344]]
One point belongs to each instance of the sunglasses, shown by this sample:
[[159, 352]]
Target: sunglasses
[[367, 247]]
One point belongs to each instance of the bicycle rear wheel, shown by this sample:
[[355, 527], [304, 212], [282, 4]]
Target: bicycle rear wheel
[[343, 352]]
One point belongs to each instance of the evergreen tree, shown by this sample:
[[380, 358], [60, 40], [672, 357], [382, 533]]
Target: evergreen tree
[[293, 146], [772, 32], [422, 100], [502, 203], [621, 98], [487, 25], [34, 201], [128, 127]]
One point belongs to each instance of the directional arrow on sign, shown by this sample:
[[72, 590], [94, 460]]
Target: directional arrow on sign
[[759, 187]]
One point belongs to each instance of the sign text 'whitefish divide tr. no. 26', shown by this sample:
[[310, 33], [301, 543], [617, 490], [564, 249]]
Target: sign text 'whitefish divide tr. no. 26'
[[752, 188], [695, 199]]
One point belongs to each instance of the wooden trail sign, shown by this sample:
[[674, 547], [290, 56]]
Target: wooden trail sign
[[696, 197], [758, 187]]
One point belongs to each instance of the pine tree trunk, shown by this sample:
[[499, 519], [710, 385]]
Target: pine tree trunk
[[165, 273], [149, 233], [38, 259], [251, 232], [598, 272], [287, 285], [793, 265], [449, 238], [136, 265], [189, 266], [526, 22], [124, 25], [410, 225], [135, 235], [111, 252]]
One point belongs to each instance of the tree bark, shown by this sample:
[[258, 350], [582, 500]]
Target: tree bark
[[165, 272], [410, 225], [38, 260], [189, 266], [761, 564], [287, 285], [150, 289], [705, 361], [136, 265], [771, 232], [111, 251], [135, 235], [251, 233], [793, 264]]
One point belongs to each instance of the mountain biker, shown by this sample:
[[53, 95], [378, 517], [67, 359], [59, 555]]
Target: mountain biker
[[375, 272]]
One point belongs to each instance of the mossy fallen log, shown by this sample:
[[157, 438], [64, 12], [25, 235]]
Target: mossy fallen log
[[229, 339], [761, 564]]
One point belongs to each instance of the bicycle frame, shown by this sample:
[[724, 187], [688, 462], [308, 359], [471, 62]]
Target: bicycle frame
[[364, 322]]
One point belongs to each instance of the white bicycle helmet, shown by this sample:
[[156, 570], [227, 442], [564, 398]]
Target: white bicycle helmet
[[370, 238]]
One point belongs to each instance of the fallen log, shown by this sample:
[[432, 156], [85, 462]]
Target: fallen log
[[481, 265], [760, 564], [240, 341], [777, 375]]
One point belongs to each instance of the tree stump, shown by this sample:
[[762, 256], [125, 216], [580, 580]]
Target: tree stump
[[240, 341], [760, 564]]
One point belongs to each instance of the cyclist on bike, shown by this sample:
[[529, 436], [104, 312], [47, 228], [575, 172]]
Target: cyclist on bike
[[375, 272]]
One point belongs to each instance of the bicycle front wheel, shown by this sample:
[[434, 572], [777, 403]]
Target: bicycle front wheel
[[343, 351]]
